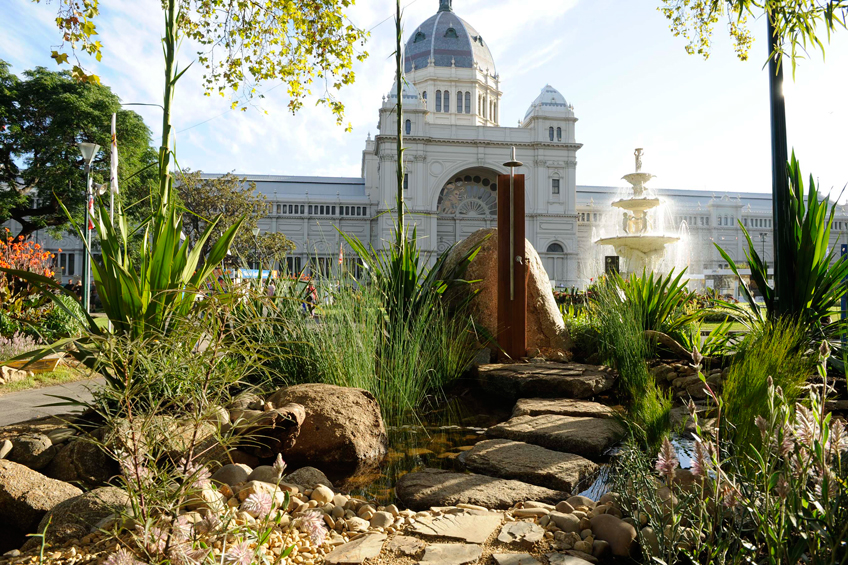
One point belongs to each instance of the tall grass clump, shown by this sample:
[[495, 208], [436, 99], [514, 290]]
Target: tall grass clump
[[624, 346], [775, 350]]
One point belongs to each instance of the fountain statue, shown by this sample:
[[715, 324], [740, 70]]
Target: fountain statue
[[639, 243]]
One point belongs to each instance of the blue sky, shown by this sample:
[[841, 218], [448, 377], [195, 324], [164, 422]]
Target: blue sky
[[703, 124]]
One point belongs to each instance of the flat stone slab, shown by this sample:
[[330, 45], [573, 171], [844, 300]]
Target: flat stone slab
[[433, 487], [561, 407], [452, 554], [406, 545], [566, 559], [469, 528], [515, 559], [530, 463], [524, 534], [545, 380], [357, 551], [589, 437]]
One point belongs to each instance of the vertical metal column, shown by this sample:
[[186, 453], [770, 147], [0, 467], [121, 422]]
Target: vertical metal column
[[512, 271]]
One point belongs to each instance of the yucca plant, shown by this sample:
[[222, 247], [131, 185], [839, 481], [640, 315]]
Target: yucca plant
[[817, 273], [659, 299]]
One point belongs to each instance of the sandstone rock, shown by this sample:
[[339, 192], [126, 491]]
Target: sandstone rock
[[357, 551], [35, 451], [357, 524], [561, 407], [523, 534], [620, 535], [589, 437], [567, 559], [452, 554], [5, 448], [470, 528], [78, 516], [246, 401], [343, 426], [545, 326], [61, 435], [27, 495], [515, 559], [406, 545], [232, 474], [12, 375], [82, 461], [269, 432], [432, 487], [308, 477], [530, 463], [382, 520], [545, 380]]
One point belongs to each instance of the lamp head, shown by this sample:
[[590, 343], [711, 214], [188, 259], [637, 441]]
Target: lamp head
[[88, 150], [255, 232]]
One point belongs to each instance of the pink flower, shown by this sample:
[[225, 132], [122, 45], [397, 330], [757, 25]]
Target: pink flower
[[700, 463], [122, 557], [762, 425], [806, 427], [667, 460], [782, 487], [279, 464], [312, 523], [787, 444], [239, 554], [181, 556], [838, 438], [258, 504]]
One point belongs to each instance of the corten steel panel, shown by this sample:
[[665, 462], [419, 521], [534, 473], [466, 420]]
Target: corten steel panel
[[512, 314]]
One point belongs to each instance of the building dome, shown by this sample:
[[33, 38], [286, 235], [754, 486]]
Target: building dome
[[549, 103], [411, 96], [446, 40]]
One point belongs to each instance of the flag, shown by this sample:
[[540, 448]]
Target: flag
[[341, 254], [91, 211], [114, 160]]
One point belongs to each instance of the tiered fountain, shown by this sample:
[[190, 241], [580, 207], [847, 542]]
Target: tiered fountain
[[637, 238]]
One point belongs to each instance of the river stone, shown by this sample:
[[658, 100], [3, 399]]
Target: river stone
[[561, 407], [232, 474], [524, 534], [589, 437], [342, 427], [308, 477], [27, 495], [545, 380], [266, 474], [5, 448], [470, 528], [536, 465], [35, 451], [515, 559], [452, 554], [357, 551], [433, 487], [77, 516], [619, 534]]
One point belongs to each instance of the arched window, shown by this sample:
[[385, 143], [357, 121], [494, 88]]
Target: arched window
[[559, 134], [438, 100], [408, 128], [424, 96], [467, 102], [459, 102], [551, 132], [492, 110], [555, 186], [485, 104], [451, 33], [495, 113], [446, 100], [419, 37], [479, 105], [555, 248]]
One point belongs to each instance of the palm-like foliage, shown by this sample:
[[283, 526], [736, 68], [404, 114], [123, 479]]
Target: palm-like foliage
[[817, 274], [658, 299]]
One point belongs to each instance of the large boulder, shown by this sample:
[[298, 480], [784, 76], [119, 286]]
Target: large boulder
[[545, 326], [77, 516], [33, 450], [82, 461], [25, 497], [343, 426], [265, 433]]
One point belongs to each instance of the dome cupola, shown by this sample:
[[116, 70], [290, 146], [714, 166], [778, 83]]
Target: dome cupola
[[549, 103]]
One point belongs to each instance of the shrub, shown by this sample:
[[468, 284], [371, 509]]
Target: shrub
[[15, 345]]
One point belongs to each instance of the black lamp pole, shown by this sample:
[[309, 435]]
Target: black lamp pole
[[779, 176]]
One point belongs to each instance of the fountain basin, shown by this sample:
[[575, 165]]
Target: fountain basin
[[645, 243], [638, 178], [637, 204]]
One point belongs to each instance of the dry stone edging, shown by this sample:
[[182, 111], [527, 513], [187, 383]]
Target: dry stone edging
[[588, 437], [529, 463], [545, 380], [434, 487]]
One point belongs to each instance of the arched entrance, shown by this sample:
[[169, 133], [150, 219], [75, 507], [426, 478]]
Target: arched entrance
[[467, 202]]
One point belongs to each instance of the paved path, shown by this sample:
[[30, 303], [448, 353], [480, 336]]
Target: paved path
[[26, 405]]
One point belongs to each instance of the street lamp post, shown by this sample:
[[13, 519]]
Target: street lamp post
[[256, 251], [88, 150]]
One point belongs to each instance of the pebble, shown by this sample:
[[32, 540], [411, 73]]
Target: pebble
[[322, 495], [382, 520], [530, 512], [564, 507]]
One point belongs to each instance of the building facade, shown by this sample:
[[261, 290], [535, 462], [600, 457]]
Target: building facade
[[455, 146]]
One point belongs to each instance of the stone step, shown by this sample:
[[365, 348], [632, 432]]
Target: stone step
[[562, 407], [530, 463], [545, 380], [589, 437], [433, 487]]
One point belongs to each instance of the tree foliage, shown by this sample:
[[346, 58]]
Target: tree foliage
[[233, 199], [43, 115], [798, 24], [300, 42]]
